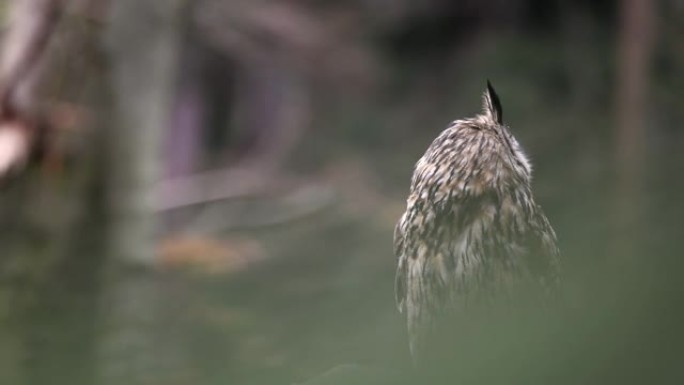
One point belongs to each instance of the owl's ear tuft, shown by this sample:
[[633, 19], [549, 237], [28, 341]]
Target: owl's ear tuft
[[491, 105]]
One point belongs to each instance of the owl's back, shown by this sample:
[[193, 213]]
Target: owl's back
[[471, 229]]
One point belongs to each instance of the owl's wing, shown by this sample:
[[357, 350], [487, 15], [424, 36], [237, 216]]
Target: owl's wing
[[544, 260], [400, 277]]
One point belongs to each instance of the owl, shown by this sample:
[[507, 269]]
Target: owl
[[471, 228]]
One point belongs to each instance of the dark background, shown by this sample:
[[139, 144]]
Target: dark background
[[314, 112]]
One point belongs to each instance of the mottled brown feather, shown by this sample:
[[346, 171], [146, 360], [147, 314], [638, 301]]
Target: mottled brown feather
[[471, 224]]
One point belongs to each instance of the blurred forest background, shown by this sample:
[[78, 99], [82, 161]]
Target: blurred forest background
[[204, 192]]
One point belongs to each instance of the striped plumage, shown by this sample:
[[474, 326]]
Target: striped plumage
[[471, 225]]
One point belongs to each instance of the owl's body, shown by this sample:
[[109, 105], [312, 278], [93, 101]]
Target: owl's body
[[471, 226]]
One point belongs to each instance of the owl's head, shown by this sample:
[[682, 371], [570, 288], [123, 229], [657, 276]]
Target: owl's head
[[491, 119]]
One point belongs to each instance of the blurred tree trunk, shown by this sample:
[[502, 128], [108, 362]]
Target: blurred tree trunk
[[52, 252], [139, 305], [142, 40], [635, 50]]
